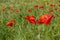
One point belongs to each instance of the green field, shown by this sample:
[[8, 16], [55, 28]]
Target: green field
[[22, 29]]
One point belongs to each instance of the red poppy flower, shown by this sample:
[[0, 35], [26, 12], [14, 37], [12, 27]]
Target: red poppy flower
[[52, 5], [35, 6], [17, 10], [46, 18], [58, 4], [41, 6], [3, 9], [29, 10], [10, 23], [27, 17], [31, 19], [51, 11], [12, 9]]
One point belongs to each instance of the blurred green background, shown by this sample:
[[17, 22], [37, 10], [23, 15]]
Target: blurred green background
[[22, 30]]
